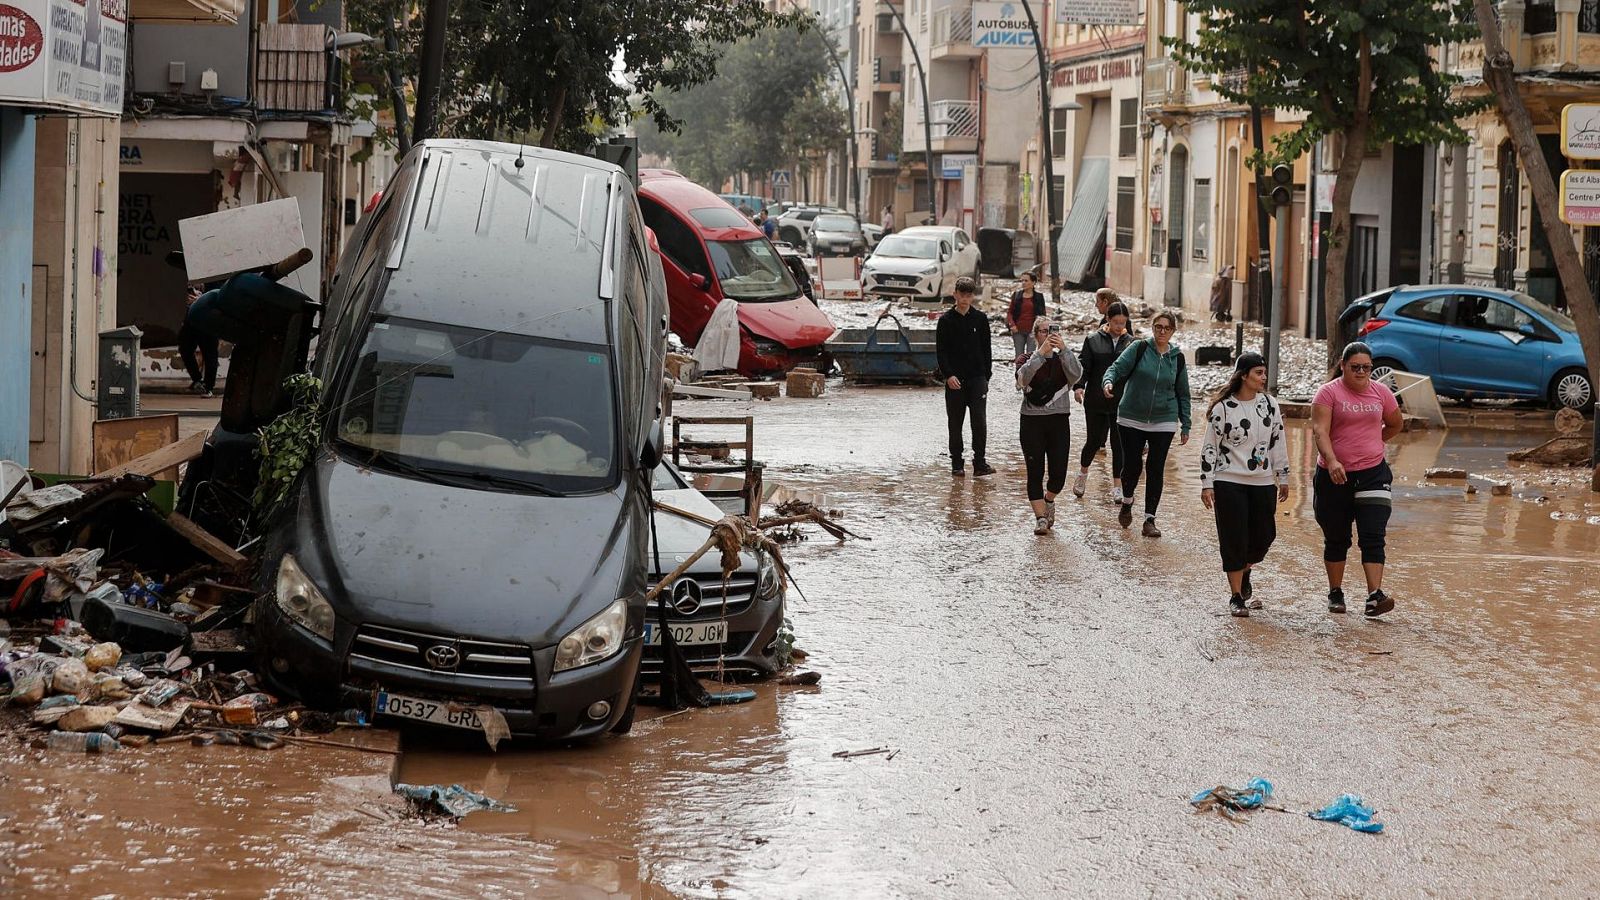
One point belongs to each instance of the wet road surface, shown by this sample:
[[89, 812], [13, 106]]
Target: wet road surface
[[1053, 701]]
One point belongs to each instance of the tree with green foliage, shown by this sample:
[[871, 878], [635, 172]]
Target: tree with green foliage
[[1360, 69], [564, 70], [769, 107]]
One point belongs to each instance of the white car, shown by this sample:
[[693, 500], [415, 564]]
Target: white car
[[794, 225], [920, 263]]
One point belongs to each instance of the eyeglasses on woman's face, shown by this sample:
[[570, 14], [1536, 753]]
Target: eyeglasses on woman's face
[[1165, 329], [1359, 367]]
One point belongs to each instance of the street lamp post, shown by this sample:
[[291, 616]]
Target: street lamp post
[[850, 110], [1053, 214], [927, 115]]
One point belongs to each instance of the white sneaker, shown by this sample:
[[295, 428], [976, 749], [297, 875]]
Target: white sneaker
[[1079, 485], [1041, 526], [1050, 513]]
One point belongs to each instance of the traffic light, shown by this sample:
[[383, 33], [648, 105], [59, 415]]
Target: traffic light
[[1282, 185]]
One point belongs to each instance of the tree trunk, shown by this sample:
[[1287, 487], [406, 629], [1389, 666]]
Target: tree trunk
[[552, 122], [1499, 77]]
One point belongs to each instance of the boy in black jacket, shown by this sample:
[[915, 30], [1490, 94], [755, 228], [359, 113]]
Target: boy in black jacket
[[965, 360]]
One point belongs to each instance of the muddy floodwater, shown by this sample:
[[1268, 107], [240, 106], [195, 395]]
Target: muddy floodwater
[[1052, 703]]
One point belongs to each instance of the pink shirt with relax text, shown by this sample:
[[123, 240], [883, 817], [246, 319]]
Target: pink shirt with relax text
[[1356, 430]]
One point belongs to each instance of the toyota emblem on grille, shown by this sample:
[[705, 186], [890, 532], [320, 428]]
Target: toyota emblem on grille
[[442, 656], [686, 596]]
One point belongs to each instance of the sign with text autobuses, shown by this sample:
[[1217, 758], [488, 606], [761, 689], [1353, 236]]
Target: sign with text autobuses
[[1001, 26], [1580, 197], [1097, 12], [63, 54]]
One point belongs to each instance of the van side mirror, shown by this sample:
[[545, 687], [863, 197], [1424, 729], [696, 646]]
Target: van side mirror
[[654, 447], [700, 282]]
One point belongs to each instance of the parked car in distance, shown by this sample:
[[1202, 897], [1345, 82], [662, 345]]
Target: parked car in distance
[[710, 253], [472, 529], [794, 224], [836, 234], [1474, 342], [920, 263], [729, 624], [873, 233]]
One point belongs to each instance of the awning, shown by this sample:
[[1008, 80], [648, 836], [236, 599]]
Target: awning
[[1083, 235]]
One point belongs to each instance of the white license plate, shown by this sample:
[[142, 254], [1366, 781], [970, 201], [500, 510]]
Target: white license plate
[[688, 633], [450, 715]]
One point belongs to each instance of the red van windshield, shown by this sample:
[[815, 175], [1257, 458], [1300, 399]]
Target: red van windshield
[[751, 270]]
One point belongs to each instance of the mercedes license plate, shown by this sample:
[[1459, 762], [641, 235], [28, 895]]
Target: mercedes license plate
[[437, 712], [688, 633]]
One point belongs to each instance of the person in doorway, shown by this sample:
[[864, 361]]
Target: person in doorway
[[1352, 417], [1222, 296], [1027, 307], [1154, 408], [888, 219], [965, 359], [1244, 474], [1046, 379], [202, 372], [1100, 351]]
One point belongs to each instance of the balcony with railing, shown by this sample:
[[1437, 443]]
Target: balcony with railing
[[886, 74], [1543, 38], [1165, 84], [953, 128], [951, 36]]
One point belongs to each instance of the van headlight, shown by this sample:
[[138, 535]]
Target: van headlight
[[300, 600], [595, 640], [931, 270], [769, 581]]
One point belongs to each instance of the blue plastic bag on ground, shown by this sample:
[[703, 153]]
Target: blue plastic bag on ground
[[1251, 796], [1351, 812], [453, 800]]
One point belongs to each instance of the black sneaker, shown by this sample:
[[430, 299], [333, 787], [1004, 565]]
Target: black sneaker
[[1378, 603], [980, 469], [1245, 590], [1125, 515], [958, 472], [1236, 607], [1336, 601]]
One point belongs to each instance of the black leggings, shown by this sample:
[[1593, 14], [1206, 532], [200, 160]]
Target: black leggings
[[1246, 522], [1046, 439], [1133, 444], [191, 339], [1363, 500], [1098, 428]]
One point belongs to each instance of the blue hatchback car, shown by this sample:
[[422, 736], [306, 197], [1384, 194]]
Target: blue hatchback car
[[1474, 342]]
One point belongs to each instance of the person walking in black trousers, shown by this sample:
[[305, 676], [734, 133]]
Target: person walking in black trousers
[[1244, 474], [1100, 350], [965, 360], [1153, 410], [1046, 379]]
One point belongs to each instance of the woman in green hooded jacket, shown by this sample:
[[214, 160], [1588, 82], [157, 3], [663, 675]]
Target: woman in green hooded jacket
[[1153, 409]]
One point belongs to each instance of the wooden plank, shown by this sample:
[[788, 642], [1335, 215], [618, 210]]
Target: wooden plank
[[167, 457], [205, 541], [693, 390], [119, 441]]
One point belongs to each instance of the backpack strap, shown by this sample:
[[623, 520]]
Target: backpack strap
[[1138, 357]]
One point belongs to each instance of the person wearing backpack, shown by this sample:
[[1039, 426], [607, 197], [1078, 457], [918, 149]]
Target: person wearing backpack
[[1154, 408], [1046, 379]]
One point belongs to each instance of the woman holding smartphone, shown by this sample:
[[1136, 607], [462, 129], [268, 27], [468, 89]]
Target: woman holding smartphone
[[1046, 378]]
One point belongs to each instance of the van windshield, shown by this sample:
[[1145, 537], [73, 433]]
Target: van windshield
[[482, 407], [751, 270]]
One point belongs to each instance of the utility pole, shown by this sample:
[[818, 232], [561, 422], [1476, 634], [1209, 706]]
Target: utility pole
[[434, 23], [927, 114], [1051, 211]]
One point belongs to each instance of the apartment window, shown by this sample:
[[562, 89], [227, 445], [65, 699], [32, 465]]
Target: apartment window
[[1201, 235], [1128, 129], [1058, 133], [1058, 190], [886, 23], [1125, 213]]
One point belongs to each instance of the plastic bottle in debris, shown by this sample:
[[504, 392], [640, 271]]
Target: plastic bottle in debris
[[81, 742]]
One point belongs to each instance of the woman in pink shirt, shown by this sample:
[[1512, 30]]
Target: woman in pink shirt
[[1352, 417]]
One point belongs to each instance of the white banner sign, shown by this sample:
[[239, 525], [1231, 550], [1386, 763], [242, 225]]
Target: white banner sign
[[1001, 26], [1580, 130], [63, 54], [1097, 12]]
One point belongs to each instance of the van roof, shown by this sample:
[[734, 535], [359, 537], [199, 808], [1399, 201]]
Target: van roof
[[684, 197], [493, 244]]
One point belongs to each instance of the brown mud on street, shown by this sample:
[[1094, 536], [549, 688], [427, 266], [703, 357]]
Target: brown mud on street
[[1053, 703]]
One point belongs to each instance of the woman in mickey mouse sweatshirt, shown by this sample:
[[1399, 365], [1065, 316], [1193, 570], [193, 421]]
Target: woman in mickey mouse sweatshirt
[[1244, 474]]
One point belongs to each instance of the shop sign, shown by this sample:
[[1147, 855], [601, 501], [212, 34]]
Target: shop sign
[[1097, 12], [63, 54], [1093, 73], [1580, 197], [1580, 130], [953, 165], [1001, 26]]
